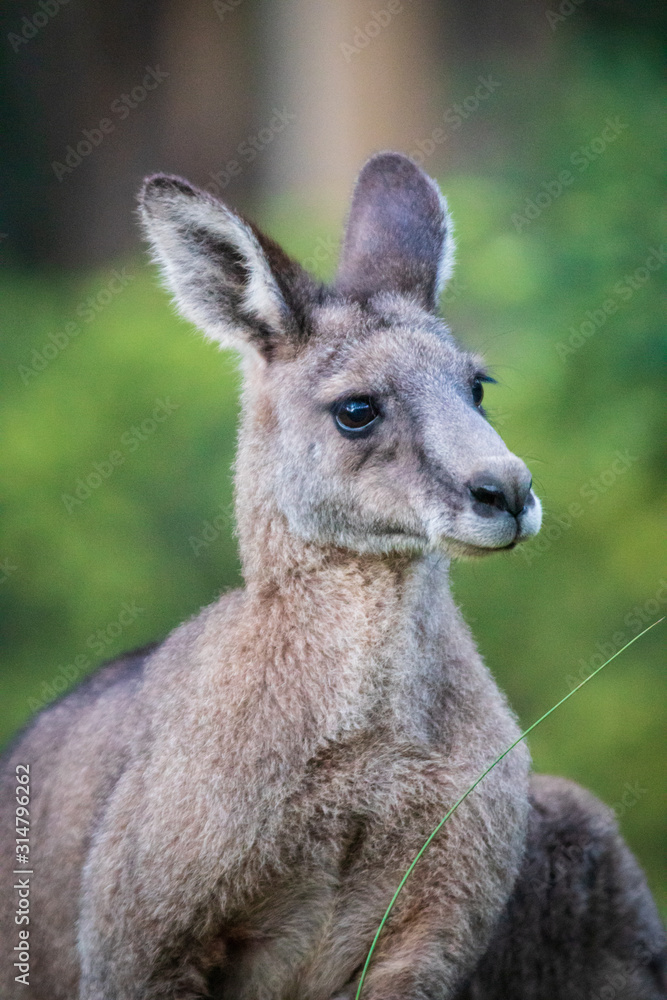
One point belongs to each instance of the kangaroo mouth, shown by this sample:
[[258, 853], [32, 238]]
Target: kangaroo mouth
[[466, 550], [474, 536]]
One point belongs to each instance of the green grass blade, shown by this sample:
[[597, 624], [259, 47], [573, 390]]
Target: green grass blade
[[474, 785]]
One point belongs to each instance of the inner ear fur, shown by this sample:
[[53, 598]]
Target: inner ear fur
[[237, 285], [399, 234]]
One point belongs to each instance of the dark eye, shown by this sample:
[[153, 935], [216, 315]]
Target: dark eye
[[478, 388], [355, 416]]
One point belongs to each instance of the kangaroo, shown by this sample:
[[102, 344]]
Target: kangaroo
[[230, 813]]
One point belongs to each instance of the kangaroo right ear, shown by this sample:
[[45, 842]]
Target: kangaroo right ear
[[399, 233], [234, 283]]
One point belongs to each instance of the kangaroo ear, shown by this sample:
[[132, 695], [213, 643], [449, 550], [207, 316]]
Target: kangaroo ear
[[235, 284], [399, 233]]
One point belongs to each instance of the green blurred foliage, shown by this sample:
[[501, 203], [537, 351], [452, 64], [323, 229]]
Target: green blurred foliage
[[157, 532]]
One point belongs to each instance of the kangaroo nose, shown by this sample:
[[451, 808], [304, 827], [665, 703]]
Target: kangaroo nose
[[511, 495]]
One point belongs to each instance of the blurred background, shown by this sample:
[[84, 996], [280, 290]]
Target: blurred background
[[542, 122]]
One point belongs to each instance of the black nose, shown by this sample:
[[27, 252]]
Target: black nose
[[512, 495]]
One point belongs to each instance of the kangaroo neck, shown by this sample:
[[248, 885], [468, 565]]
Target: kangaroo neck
[[353, 636], [383, 591]]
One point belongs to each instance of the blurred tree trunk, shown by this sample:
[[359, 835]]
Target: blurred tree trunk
[[483, 28], [286, 94], [82, 66], [60, 82], [359, 76]]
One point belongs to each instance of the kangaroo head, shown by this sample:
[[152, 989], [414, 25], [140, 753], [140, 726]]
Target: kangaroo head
[[363, 426]]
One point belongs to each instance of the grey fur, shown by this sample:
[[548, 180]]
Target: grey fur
[[581, 923], [399, 234], [238, 805]]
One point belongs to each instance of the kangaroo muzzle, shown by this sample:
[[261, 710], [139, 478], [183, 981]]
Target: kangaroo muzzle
[[500, 508], [506, 496]]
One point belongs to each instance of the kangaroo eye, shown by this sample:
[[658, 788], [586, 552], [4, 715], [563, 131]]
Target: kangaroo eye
[[355, 416], [478, 388]]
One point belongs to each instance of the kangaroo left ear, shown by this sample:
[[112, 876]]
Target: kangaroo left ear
[[232, 281], [399, 233]]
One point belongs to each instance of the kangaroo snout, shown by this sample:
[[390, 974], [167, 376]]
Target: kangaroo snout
[[502, 509], [493, 493], [506, 497]]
